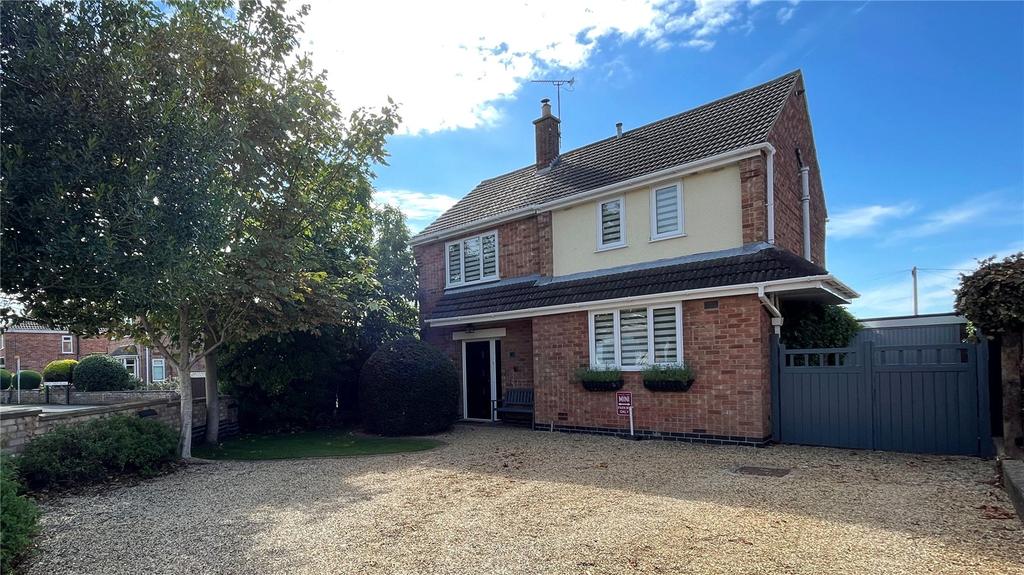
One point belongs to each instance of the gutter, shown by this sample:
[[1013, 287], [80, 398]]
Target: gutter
[[805, 201], [823, 282], [675, 171]]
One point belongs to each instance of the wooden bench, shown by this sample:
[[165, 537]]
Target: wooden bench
[[518, 404]]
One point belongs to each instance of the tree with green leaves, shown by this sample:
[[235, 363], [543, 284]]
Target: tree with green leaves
[[169, 171], [992, 298], [810, 325]]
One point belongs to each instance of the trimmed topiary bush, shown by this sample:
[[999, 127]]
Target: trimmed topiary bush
[[5, 379], [59, 370], [19, 518], [97, 449], [29, 379], [101, 373], [408, 388]]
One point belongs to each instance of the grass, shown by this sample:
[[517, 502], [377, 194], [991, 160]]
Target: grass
[[331, 443]]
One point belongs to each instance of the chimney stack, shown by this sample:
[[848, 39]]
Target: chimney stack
[[548, 135], [618, 129]]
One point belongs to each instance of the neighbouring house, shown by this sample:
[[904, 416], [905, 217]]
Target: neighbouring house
[[672, 242], [36, 345]]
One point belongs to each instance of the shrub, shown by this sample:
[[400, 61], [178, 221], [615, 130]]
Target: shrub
[[59, 370], [19, 518], [810, 325], [667, 372], [286, 382], [5, 379], [408, 387], [101, 373], [29, 379], [92, 451]]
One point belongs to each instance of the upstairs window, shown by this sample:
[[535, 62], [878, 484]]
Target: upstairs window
[[67, 344], [631, 338], [611, 227], [666, 212], [472, 260]]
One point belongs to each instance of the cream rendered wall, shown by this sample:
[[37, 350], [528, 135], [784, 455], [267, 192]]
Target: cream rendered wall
[[712, 220]]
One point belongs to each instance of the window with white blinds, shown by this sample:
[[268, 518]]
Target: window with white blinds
[[633, 337], [611, 228], [666, 212], [472, 260]]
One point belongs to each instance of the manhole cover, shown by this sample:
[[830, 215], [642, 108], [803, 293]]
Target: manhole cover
[[763, 471]]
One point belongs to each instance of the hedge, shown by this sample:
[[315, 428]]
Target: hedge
[[5, 379], [59, 370], [408, 388], [102, 373], [29, 379], [19, 518], [93, 451]]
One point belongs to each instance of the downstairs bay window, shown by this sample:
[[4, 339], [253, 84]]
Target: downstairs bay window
[[632, 337]]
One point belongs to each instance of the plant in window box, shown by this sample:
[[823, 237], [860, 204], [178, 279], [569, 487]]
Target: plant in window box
[[600, 378], [667, 377]]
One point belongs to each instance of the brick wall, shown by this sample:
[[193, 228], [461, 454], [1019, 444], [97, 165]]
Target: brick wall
[[793, 130], [20, 427], [727, 347], [524, 248], [58, 396], [753, 186], [516, 349]]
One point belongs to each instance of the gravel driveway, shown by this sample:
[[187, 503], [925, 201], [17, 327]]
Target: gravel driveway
[[515, 501]]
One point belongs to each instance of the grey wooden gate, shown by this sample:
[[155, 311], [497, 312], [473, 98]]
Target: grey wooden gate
[[919, 398]]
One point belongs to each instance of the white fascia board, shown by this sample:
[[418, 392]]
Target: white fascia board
[[675, 171], [810, 282]]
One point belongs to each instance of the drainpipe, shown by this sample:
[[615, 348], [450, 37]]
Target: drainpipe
[[770, 177], [772, 309], [805, 200]]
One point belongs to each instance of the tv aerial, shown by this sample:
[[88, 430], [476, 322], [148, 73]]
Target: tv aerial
[[570, 83]]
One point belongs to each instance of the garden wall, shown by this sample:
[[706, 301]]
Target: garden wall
[[20, 426], [59, 396]]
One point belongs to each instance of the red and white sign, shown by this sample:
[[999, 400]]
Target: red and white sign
[[623, 401]]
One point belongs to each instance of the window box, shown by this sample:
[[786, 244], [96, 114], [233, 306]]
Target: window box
[[600, 379], [671, 377]]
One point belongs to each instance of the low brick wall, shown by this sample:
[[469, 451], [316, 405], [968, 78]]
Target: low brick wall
[[58, 396], [20, 426]]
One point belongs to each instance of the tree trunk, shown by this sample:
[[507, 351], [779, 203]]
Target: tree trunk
[[212, 397], [185, 381], [1012, 361]]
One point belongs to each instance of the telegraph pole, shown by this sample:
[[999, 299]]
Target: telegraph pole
[[913, 274]]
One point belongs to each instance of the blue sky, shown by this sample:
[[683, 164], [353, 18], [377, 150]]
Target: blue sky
[[918, 109]]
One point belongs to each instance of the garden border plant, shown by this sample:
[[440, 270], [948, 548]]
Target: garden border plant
[[19, 517]]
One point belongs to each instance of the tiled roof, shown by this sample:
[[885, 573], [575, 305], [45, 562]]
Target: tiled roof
[[728, 124], [29, 325], [763, 265]]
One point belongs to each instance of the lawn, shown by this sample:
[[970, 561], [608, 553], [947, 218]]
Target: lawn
[[330, 443]]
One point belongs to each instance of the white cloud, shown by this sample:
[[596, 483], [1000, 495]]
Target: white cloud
[[451, 64], [420, 208], [948, 219], [935, 287], [786, 12], [865, 220]]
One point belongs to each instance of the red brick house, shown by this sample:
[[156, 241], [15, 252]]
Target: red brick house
[[672, 242], [36, 345]]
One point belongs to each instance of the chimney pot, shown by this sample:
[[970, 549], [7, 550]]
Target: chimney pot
[[547, 135], [618, 129]]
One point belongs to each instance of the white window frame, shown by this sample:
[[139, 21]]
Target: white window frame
[[67, 344], [650, 334], [2, 343], [655, 236], [462, 261], [135, 363], [601, 246], [163, 366]]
